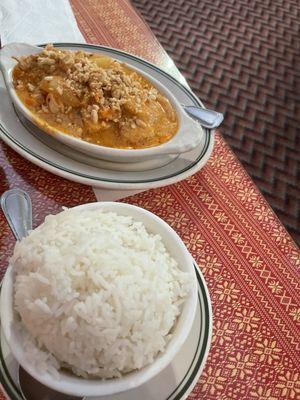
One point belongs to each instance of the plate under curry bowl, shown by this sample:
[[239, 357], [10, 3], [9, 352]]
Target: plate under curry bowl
[[76, 166]]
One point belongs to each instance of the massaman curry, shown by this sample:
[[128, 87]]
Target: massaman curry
[[94, 98]]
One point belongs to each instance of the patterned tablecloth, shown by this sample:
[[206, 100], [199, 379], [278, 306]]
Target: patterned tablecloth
[[249, 261]]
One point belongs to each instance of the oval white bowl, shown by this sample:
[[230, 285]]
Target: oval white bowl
[[73, 385], [188, 136]]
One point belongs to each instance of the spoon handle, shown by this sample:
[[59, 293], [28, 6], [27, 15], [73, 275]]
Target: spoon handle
[[208, 118], [16, 206]]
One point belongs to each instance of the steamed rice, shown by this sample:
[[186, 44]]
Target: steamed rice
[[96, 293]]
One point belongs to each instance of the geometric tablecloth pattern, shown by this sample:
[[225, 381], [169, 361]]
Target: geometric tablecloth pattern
[[250, 263]]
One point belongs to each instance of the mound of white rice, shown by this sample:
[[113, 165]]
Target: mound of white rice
[[96, 292]]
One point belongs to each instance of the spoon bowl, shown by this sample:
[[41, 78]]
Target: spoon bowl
[[34, 390]]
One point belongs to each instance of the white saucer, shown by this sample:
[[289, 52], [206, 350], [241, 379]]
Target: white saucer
[[68, 163], [174, 383]]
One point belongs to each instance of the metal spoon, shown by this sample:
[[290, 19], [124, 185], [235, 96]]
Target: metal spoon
[[16, 206], [208, 118], [34, 390]]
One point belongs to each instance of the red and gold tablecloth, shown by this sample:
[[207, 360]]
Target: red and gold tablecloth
[[249, 261]]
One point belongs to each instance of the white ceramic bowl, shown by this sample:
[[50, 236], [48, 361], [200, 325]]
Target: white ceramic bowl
[[188, 136], [74, 385]]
